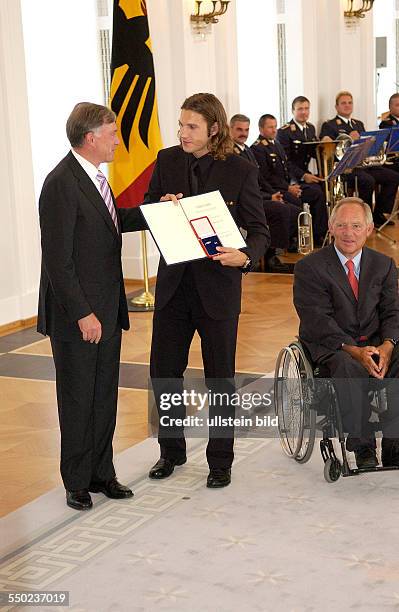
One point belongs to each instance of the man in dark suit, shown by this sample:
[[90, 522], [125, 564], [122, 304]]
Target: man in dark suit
[[346, 296], [203, 295], [82, 303], [385, 179], [281, 216], [274, 171]]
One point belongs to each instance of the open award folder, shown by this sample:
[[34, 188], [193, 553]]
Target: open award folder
[[193, 228]]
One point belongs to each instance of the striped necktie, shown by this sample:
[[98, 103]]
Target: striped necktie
[[107, 197]]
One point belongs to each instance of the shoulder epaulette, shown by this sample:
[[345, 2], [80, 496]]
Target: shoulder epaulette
[[285, 126]]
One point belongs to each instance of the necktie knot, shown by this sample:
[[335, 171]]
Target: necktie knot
[[100, 176], [350, 265]]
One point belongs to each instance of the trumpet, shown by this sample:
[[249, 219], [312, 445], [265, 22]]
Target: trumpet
[[344, 142], [373, 160], [305, 231]]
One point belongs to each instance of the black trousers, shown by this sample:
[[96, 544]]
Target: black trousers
[[384, 179], [282, 221], [87, 393], [173, 330], [352, 384]]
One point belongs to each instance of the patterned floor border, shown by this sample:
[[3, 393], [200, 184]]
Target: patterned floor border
[[66, 547]]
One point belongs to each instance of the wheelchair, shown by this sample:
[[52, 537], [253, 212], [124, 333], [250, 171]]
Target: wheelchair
[[306, 403]]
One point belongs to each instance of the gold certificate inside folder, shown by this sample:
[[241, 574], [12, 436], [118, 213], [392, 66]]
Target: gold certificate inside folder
[[192, 229]]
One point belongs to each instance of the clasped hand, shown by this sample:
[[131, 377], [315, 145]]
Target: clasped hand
[[364, 355]]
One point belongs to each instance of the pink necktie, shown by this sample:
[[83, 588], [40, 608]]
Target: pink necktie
[[354, 283], [107, 197]]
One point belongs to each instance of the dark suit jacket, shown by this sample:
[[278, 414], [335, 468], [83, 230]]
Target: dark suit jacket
[[237, 180], [329, 313], [81, 254], [291, 137]]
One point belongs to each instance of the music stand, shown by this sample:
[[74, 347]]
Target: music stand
[[353, 156], [391, 149]]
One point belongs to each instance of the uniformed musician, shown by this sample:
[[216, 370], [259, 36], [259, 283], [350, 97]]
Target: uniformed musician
[[275, 171], [293, 135], [391, 120], [386, 180], [281, 216]]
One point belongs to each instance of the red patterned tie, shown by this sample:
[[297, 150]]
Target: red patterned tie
[[107, 197], [354, 283]]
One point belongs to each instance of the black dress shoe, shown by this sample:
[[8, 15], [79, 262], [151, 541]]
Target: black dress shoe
[[79, 500], [112, 489], [274, 264], [164, 467], [390, 452], [218, 477], [365, 457]]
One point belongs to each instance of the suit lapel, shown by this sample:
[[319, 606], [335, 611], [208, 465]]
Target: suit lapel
[[366, 274], [336, 270], [179, 180], [216, 175], [93, 195]]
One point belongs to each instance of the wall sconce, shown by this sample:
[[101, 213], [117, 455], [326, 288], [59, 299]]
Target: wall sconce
[[201, 22], [359, 12]]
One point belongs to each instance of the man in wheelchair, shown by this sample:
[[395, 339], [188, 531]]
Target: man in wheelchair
[[346, 296]]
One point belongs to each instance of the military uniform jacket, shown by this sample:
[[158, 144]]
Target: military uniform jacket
[[273, 164], [219, 287], [291, 137], [247, 153], [334, 127], [389, 122]]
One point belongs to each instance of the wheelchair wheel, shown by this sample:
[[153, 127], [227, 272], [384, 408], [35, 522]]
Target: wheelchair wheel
[[292, 396], [332, 470]]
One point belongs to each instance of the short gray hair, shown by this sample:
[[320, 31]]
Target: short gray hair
[[85, 118], [368, 215], [239, 117]]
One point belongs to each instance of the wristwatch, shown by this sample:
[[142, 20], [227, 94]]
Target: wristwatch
[[246, 267], [393, 341]]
